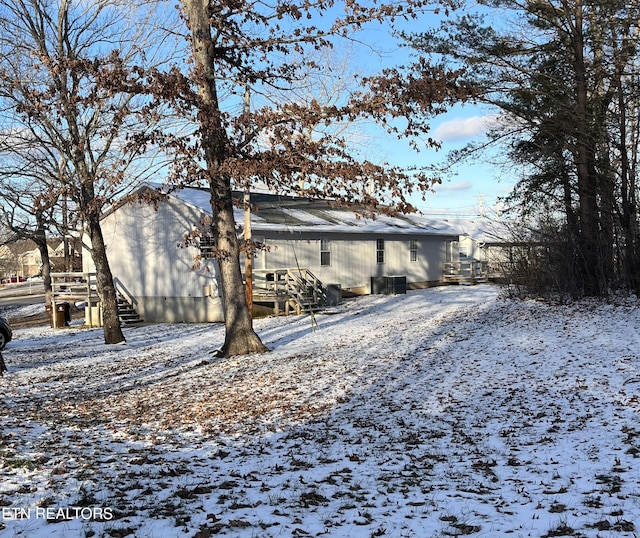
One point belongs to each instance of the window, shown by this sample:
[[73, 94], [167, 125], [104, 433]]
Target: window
[[380, 250], [413, 250], [207, 245], [463, 252], [325, 252]]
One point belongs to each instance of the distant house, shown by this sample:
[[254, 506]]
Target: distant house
[[483, 251], [22, 257], [153, 267]]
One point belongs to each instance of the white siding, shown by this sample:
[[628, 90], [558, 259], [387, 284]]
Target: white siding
[[472, 248], [353, 257], [148, 260]]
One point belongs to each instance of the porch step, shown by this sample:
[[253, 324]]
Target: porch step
[[127, 313], [291, 291]]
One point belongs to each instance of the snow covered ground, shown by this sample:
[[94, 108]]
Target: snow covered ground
[[443, 412]]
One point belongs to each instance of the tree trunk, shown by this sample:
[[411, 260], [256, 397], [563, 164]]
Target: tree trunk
[[240, 338], [607, 229], [627, 190], [40, 239], [104, 282], [587, 188]]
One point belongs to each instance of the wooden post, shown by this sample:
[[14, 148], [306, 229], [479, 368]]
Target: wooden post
[[248, 268], [89, 304], [54, 313]]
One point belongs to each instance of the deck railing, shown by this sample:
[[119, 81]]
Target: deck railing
[[297, 289], [465, 271], [73, 287]]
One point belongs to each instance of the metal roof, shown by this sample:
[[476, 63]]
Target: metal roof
[[273, 212]]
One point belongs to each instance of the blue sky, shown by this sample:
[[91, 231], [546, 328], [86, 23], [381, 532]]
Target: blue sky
[[469, 189]]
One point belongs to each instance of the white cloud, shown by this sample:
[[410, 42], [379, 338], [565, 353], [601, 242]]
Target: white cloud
[[459, 186], [461, 128]]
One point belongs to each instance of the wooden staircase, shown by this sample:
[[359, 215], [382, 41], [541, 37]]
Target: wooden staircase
[[307, 293], [76, 287], [127, 312], [290, 291]]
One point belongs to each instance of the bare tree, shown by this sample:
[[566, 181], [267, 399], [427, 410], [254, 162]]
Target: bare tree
[[27, 210], [52, 57]]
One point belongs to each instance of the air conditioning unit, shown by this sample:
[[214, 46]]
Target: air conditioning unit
[[388, 285]]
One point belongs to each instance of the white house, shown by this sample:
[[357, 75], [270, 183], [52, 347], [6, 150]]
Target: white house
[[485, 242], [153, 267]]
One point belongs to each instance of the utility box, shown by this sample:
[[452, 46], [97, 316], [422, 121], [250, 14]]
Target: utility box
[[397, 284], [334, 294], [378, 285], [93, 315], [388, 285]]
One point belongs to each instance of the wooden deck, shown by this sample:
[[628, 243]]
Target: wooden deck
[[76, 287], [472, 271], [289, 290], [81, 287]]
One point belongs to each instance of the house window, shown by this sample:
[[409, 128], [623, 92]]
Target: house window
[[380, 250], [325, 252], [413, 250], [463, 252], [207, 245]]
